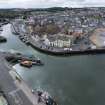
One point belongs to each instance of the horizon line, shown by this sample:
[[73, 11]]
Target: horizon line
[[53, 7]]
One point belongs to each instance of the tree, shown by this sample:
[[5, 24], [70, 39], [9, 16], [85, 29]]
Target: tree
[[52, 29]]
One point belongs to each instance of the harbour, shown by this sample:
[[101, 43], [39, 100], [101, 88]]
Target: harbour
[[71, 80]]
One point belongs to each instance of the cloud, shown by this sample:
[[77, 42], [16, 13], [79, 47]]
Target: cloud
[[49, 3]]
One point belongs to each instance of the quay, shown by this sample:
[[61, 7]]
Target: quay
[[56, 51], [53, 50], [16, 92], [68, 52]]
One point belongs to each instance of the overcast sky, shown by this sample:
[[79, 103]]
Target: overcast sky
[[49, 3]]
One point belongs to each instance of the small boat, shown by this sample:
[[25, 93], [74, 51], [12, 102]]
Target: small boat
[[3, 39], [26, 63], [37, 62], [23, 40], [1, 29], [27, 42]]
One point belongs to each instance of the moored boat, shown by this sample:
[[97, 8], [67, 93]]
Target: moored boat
[[30, 63], [26, 63], [37, 62]]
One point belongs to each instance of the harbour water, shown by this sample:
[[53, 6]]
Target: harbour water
[[71, 80]]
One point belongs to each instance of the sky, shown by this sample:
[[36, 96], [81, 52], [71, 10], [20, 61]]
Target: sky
[[50, 3]]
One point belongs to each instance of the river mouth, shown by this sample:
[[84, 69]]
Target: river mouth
[[72, 80]]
